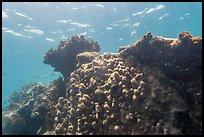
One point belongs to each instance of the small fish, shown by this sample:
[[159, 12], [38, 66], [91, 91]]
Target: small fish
[[36, 76], [39, 130], [133, 33], [4, 74], [52, 74]]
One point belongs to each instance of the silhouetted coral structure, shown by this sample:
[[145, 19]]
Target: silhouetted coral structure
[[63, 59], [152, 87]]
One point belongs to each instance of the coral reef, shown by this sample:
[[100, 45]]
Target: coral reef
[[85, 57], [179, 59], [32, 110], [165, 54], [18, 118], [63, 59], [152, 87]]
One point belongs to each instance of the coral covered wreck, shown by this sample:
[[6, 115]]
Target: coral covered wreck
[[152, 87]]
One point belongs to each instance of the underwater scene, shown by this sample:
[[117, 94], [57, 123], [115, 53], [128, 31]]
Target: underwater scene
[[102, 68]]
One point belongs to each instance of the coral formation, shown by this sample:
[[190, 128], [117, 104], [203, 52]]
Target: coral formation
[[86, 57], [152, 87], [63, 59], [180, 62], [32, 110]]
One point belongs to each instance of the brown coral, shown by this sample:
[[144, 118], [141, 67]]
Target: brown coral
[[136, 92], [63, 59]]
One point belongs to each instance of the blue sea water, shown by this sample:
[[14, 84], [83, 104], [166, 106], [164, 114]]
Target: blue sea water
[[30, 29]]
